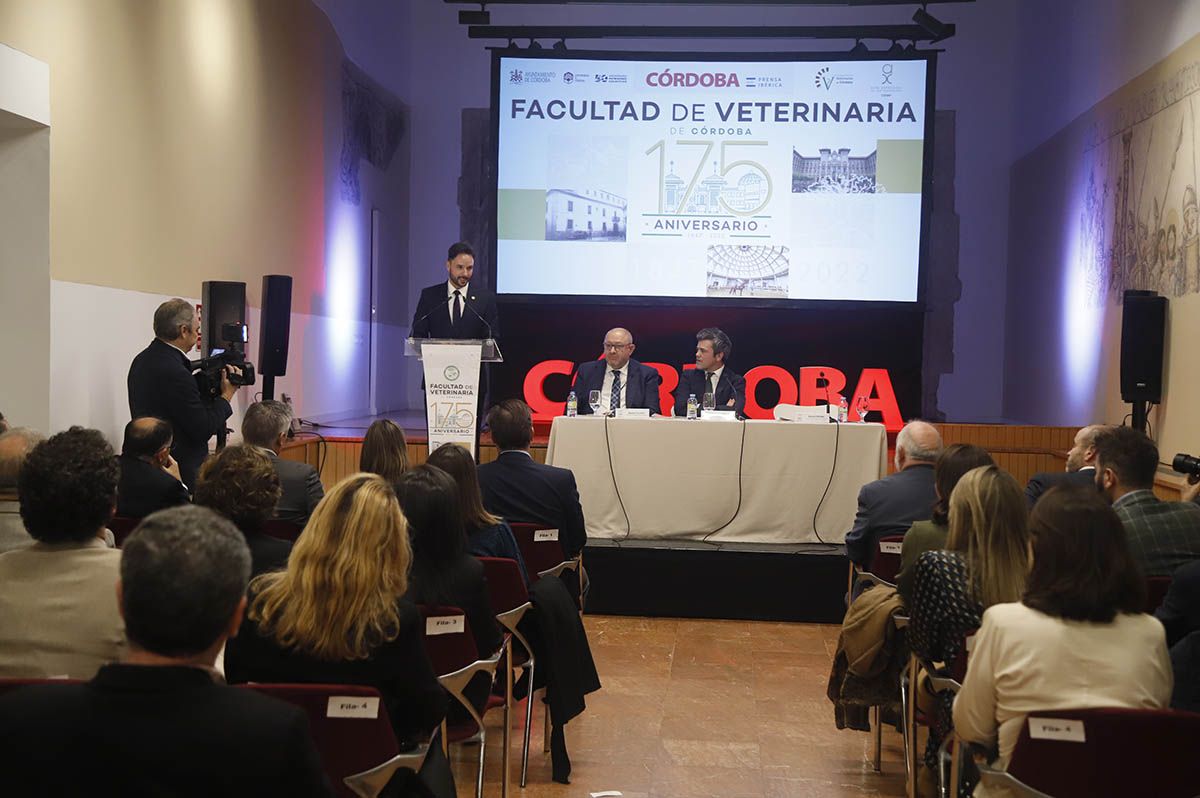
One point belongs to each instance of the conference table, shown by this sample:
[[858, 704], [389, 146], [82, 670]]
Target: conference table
[[721, 481]]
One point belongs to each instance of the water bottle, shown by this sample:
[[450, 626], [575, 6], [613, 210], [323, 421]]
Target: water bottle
[[843, 411], [692, 409], [572, 405]]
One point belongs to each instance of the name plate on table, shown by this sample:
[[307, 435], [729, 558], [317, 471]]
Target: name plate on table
[[718, 415], [633, 412], [352, 706]]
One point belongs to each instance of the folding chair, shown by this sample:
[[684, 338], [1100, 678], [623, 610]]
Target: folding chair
[[451, 649], [543, 553], [122, 527], [283, 530], [1072, 753], [7, 685], [1156, 591], [351, 729], [506, 590], [884, 566]]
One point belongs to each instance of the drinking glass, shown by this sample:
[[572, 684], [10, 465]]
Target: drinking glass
[[709, 402], [862, 406], [594, 401]]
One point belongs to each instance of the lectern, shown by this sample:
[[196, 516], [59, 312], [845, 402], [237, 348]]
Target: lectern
[[451, 367]]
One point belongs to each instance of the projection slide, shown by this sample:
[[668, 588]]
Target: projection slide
[[757, 180]]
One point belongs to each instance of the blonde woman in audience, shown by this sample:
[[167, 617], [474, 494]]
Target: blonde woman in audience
[[337, 614], [985, 562], [1077, 639], [384, 451]]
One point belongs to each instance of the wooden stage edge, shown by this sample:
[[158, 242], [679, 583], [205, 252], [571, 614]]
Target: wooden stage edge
[[1021, 450]]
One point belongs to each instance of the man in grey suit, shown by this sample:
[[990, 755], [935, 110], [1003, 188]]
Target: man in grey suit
[[265, 426], [889, 506], [1162, 535]]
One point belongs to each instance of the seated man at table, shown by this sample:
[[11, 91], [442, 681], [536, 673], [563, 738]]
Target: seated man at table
[[518, 488], [889, 506], [621, 380], [713, 348]]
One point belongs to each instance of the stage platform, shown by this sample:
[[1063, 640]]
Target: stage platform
[[804, 583]]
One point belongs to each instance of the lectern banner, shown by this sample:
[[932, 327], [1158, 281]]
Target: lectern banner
[[451, 393]]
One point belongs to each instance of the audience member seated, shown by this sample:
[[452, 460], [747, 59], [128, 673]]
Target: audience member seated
[[487, 535], [1162, 535], [14, 445], [1076, 640], [889, 506], [149, 476], [985, 562], [384, 450], [337, 614], [161, 722], [956, 460], [1180, 616], [1080, 470], [241, 484], [442, 570], [58, 605], [519, 489], [266, 426]]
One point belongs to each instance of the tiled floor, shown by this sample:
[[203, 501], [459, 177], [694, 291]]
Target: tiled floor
[[703, 708]]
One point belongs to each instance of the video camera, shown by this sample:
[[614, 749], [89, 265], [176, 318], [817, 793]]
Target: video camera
[[1187, 464], [208, 369]]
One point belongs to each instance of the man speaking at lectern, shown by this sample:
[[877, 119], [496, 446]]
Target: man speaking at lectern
[[457, 308]]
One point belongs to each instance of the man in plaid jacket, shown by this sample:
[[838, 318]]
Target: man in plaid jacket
[[1162, 535]]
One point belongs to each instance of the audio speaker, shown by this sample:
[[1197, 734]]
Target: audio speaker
[[1142, 328], [221, 302], [274, 324]]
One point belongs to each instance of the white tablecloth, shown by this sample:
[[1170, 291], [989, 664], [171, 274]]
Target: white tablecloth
[[679, 479]]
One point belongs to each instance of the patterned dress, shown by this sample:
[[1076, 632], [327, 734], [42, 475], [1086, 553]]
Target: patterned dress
[[942, 613]]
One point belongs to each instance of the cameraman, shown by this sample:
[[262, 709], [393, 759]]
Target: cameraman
[[161, 385]]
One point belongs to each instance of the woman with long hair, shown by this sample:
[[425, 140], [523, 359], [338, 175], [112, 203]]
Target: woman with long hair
[[384, 450], [954, 461], [337, 614], [487, 535], [985, 562], [1077, 639], [240, 483]]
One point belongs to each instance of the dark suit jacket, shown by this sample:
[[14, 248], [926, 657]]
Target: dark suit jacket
[[145, 488], [399, 669], [160, 384], [1180, 610], [730, 388], [518, 488], [150, 730], [266, 553], [641, 391], [1044, 481], [432, 321], [302, 489], [889, 506]]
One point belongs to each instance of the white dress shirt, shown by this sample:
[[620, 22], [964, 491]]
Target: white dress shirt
[[716, 384], [462, 292], [606, 387]]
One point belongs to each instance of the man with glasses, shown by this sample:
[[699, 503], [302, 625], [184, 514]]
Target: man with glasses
[[621, 380]]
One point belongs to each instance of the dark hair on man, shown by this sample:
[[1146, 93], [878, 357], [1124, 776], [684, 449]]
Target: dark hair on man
[[171, 316], [3, 424], [720, 342], [459, 464], [511, 423], [68, 486], [15, 445], [1130, 454], [145, 436], [183, 572], [954, 461], [1082, 567], [241, 484], [265, 421], [384, 450], [429, 498], [460, 248]]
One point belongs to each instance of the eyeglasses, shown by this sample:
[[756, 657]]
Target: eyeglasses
[[616, 347]]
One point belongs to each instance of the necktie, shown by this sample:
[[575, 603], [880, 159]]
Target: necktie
[[456, 314], [616, 393], [712, 386]]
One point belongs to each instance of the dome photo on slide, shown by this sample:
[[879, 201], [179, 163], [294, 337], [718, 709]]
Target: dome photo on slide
[[744, 270]]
